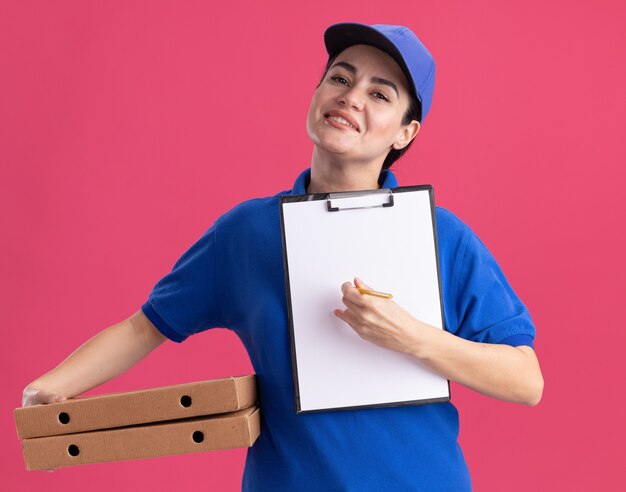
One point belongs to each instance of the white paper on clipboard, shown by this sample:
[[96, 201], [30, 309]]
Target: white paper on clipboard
[[388, 239]]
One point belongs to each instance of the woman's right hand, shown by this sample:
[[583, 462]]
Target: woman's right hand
[[39, 396]]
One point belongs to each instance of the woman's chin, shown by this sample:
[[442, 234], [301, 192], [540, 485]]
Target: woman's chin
[[335, 147]]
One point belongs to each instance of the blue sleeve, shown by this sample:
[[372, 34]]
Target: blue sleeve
[[185, 301], [487, 307]]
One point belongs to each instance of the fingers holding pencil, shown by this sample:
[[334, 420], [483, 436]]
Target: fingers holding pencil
[[377, 318], [366, 289]]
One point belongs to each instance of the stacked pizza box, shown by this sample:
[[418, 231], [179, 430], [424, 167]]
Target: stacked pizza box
[[185, 418]]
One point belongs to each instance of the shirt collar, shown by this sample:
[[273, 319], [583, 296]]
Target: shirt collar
[[386, 180]]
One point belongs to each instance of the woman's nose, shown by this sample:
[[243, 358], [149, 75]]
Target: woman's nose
[[353, 97]]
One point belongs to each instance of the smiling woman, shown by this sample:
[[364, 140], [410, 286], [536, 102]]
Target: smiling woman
[[369, 91], [367, 109], [413, 112], [356, 115]]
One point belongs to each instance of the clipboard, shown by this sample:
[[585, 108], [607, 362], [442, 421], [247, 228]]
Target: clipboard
[[388, 238]]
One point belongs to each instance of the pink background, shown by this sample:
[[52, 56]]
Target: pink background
[[127, 128]]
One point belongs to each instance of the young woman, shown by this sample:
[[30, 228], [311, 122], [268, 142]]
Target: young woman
[[367, 109]]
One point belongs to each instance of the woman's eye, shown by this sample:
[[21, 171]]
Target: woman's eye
[[339, 79], [382, 96]]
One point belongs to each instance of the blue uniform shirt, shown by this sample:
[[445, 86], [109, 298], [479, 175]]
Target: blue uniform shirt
[[233, 277]]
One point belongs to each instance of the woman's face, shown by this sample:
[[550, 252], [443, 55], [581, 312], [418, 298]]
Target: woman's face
[[357, 109]]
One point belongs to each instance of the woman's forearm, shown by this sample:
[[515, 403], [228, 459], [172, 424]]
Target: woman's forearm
[[500, 371], [101, 358]]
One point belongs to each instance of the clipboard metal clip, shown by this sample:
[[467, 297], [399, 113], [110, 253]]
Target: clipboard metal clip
[[351, 200]]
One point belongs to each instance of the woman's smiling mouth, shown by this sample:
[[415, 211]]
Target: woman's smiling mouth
[[337, 120]]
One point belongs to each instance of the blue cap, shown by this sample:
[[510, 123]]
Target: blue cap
[[400, 43]]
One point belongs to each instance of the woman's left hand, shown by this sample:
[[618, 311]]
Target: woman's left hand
[[501, 371], [381, 321]]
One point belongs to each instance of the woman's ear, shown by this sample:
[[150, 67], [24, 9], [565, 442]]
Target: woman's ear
[[408, 133]]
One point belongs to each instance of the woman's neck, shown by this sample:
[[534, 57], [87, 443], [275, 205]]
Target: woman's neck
[[333, 175]]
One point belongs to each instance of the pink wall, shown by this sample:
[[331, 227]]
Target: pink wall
[[126, 128]]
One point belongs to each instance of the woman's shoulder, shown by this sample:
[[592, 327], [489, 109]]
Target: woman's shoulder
[[255, 210], [457, 237], [450, 224]]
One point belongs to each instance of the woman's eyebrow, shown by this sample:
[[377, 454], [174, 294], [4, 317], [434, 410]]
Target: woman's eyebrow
[[377, 80]]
